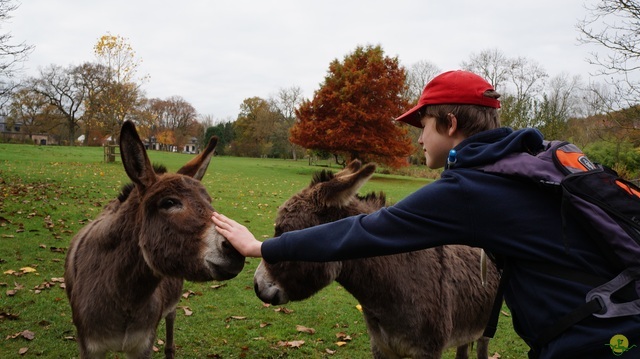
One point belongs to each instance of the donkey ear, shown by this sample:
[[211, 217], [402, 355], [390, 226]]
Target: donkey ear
[[134, 156], [341, 190], [197, 167], [351, 168]]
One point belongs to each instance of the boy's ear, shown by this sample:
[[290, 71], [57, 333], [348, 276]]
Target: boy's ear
[[453, 124]]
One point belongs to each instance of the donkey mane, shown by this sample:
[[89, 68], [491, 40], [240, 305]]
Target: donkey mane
[[322, 176], [127, 188]]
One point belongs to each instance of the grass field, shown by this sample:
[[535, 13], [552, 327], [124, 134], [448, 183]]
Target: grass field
[[48, 193]]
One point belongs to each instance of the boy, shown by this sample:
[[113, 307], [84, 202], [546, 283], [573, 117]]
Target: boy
[[514, 220]]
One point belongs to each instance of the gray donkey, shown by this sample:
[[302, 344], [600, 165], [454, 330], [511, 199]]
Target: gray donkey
[[415, 304], [124, 271]]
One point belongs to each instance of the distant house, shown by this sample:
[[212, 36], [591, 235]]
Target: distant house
[[15, 133], [191, 147]]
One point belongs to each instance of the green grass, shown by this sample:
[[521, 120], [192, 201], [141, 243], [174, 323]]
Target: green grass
[[48, 193]]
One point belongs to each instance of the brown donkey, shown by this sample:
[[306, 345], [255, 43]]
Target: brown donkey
[[124, 271], [415, 304]]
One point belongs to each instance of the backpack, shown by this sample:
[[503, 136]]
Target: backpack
[[604, 202]]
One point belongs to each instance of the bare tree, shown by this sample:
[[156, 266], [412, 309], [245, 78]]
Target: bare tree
[[65, 90], [418, 75], [285, 104], [10, 54], [491, 64], [559, 103], [614, 25]]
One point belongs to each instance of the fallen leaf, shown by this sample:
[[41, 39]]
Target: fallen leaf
[[505, 313], [329, 351], [340, 344], [283, 310], [359, 307], [293, 343], [343, 336], [262, 325], [9, 272], [216, 286], [495, 356], [28, 270], [28, 335], [23, 351], [11, 292], [187, 311], [304, 329], [237, 317]]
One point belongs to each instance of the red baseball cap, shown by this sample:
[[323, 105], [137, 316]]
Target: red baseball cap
[[452, 87]]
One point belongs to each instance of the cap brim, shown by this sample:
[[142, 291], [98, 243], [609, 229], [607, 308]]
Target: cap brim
[[411, 117]]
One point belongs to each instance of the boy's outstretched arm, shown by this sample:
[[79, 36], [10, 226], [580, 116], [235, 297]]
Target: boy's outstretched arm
[[238, 235]]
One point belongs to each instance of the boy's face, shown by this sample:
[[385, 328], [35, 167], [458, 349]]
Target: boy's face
[[435, 145]]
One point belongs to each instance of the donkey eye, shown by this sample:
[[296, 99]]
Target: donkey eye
[[167, 203]]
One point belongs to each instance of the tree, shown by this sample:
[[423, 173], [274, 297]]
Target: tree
[[558, 104], [120, 94], [64, 89], [418, 75], [225, 133], [352, 113], [492, 65], [285, 104], [614, 25], [173, 114], [254, 128], [32, 111], [10, 54]]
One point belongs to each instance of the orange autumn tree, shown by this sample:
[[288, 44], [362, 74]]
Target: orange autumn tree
[[352, 114]]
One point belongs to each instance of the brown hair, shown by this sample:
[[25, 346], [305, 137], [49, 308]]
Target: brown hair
[[471, 118]]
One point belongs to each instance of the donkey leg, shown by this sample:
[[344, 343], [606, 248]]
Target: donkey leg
[[170, 348], [483, 348], [462, 352]]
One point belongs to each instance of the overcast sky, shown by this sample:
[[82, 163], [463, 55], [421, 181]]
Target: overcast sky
[[215, 54]]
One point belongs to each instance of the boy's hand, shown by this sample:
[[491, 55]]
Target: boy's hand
[[238, 235]]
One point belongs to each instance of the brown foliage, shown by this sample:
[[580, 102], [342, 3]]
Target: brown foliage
[[353, 112]]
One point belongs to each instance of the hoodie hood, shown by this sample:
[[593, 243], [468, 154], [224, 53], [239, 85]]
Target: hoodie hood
[[489, 146]]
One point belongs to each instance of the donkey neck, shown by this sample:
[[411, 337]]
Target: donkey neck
[[119, 247]]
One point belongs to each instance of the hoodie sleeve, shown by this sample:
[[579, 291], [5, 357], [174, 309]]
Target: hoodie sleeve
[[434, 215]]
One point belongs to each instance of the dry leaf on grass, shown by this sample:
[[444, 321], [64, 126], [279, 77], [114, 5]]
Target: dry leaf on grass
[[495, 356], [302, 328], [343, 336], [27, 334], [293, 343], [283, 310]]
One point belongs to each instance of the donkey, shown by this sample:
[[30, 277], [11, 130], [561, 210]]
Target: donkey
[[415, 304], [124, 271]]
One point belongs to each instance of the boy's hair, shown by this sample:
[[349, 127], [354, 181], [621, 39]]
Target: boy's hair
[[471, 118]]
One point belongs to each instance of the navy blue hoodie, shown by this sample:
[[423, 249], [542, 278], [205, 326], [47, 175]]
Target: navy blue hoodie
[[510, 218]]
